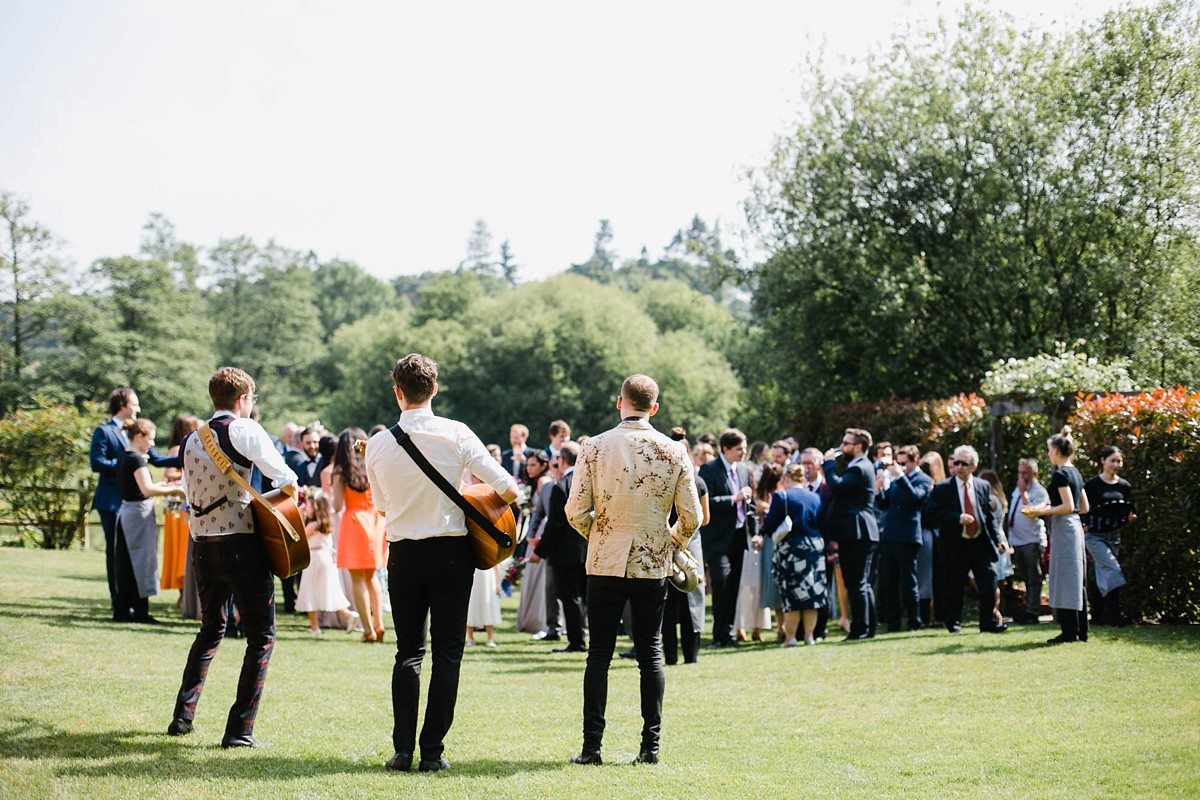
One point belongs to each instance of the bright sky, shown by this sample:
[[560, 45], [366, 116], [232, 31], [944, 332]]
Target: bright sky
[[380, 131]]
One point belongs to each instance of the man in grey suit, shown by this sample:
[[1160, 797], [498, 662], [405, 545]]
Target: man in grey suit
[[851, 522]]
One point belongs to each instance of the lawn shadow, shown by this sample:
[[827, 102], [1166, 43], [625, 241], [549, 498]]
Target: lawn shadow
[[145, 755], [88, 616]]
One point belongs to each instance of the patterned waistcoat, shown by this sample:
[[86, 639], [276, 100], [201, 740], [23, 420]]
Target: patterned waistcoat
[[218, 505]]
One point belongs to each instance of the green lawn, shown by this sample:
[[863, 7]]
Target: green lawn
[[84, 703]]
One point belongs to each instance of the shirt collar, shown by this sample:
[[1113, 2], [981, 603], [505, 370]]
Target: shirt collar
[[640, 422], [728, 466], [424, 412], [223, 413]]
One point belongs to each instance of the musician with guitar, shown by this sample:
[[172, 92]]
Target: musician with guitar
[[413, 468], [228, 558]]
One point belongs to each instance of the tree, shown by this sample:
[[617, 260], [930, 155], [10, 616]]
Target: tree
[[30, 273], [479, 252], [603, 260], [345, 293], [160, 243], [978, 193], [508, 266]]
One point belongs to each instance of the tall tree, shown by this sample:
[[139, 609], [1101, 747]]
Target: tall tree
[[977, 192], [603, 259], [479, 252], [30, 273], [345, 293], [508, 265]]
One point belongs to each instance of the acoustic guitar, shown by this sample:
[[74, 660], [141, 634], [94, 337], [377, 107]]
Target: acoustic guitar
[[280, 525], [488, 551]]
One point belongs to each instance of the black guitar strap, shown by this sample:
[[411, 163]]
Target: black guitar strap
[[439, 480]]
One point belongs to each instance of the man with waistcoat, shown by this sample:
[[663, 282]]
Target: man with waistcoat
[[229, 559]]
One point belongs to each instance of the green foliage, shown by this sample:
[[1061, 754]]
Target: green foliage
[[981, 192], [1159, 434], [343, 293], [47, 485], [1050, 377]]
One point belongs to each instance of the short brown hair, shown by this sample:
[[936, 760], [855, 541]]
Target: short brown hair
[[641, 391], [118, 400], [731, 438], [911, 451], [228, 384], [860, 437], [559, 426], [569, 453], [416, 376], [139, 427]]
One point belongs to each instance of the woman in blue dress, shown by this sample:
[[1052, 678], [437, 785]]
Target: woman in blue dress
[[799, 560]]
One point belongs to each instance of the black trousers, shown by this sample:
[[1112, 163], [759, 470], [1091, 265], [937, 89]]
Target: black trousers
[[898, 583], [975, 555], [108, 522], [677, 630], [553, 610], [725, 572], [228, 567], [429, 582], [290, 586], [571, 582], [606, 600], [856, 557], [129, 603]]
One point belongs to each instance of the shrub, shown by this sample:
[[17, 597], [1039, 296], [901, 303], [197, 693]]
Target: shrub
[[930, 424], [1049, 377], [1159, 433], [45, 472]]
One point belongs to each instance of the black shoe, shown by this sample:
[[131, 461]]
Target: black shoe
[[587, 757], [179, 727], [646, 756], [571, 648], [543, 636], [145, 620], [242, 741], [1001, 628], [401, 762], [631, 653], [1062, 638], [438, 764], [954, 627], [716, 645], [857, 637]]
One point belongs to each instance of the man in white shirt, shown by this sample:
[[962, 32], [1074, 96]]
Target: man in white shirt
[[229, 560], [430, 561], [1027, 535]]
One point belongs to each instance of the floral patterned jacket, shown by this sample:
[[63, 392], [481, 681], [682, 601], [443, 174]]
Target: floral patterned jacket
[[626, 481]]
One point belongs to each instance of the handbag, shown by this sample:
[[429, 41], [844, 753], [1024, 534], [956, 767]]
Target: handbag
[[785, 528], [491, 526]]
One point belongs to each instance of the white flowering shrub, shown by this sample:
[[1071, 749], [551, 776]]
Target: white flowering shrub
[[1050, 376]]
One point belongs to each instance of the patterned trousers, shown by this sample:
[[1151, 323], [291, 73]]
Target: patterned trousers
[[231, 566]]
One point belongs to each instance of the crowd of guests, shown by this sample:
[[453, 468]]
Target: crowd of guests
[[864, 537]]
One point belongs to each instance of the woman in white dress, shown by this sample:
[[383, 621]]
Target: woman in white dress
[[484, 608]]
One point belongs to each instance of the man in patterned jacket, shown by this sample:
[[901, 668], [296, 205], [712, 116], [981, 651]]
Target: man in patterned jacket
[[626, 481]]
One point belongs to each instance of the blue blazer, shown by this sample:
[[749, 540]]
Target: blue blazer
[[104, 454], [802, 506], [851, 515], [902, 502]]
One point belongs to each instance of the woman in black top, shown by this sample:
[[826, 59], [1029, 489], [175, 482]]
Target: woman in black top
[[137, 531], [1111, 500], [1067, 568]]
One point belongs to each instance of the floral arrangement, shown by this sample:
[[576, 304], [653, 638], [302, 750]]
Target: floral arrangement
[[1049, 376], [516, 568]]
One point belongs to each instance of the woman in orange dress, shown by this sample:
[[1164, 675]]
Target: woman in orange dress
[[360, 532], [175, 521]]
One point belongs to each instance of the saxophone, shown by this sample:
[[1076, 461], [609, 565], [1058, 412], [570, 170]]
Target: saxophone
[[686, 572]]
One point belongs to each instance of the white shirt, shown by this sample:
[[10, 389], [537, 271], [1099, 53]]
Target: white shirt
[[252, 441], [415, 508], [1024, 530]]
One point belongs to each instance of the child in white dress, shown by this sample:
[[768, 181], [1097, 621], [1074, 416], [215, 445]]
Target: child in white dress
[[320, 589], [484, 608]]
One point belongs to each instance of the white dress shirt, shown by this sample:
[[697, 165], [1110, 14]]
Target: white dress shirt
[[415, 508]]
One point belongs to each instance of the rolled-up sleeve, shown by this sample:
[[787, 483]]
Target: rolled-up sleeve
[[251, 440]]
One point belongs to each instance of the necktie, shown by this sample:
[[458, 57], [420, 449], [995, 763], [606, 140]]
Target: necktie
[[736, 487], [1012, 513], [972, 530]]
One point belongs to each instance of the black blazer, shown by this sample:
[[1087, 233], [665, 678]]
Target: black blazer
[[945, 508], [851, 515], [721, 535], [297, 462], [561, 544]]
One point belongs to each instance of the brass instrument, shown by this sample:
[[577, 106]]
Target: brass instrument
[[686, 572]]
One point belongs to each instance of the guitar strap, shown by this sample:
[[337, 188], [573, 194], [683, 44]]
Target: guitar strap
[[225, 465], [439, 480]]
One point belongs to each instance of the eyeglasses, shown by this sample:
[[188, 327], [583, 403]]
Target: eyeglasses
[[252, 395]]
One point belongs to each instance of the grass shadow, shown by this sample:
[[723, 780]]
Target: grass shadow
[[150, 756]]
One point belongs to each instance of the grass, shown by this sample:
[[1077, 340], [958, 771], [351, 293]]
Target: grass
[[84, 704]]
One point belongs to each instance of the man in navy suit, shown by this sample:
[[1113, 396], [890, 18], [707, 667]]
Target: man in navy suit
[[851, 523], [566, 551], [961, 506], [732, 521], [109, 442], [514, 458], [306, 462], [901, 491]]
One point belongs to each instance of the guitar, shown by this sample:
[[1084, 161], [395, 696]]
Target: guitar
[[488, 551], [278, 521]]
